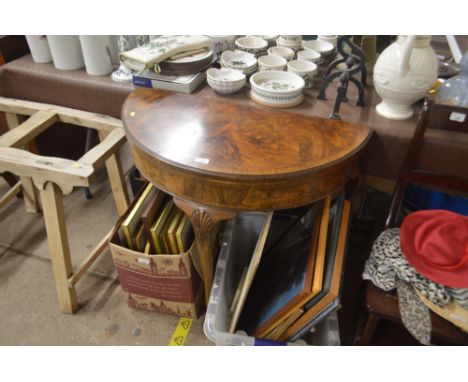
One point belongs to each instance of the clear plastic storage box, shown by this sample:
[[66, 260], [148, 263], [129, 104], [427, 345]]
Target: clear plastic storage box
[[238, 242]]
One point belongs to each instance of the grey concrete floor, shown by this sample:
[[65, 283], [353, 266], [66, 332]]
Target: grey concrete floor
[[29, 311]]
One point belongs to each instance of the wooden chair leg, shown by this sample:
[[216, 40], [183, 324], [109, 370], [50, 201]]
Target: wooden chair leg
[[29, 193], [54, 217], [369, 330], [116, 179]]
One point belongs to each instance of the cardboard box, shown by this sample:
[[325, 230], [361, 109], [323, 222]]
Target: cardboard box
[[157, 283]]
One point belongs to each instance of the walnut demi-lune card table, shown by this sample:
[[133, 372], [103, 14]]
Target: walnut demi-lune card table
[[217, 157]]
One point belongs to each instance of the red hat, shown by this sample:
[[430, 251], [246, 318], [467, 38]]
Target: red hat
[[435, 242]]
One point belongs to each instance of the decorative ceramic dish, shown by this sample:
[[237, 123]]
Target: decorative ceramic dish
[[292, 44], [271, 62], [304, 69], [309, 55], [270, 39], [245, 62], [255, 45], [195, 63], [320, 46], [225, 81], [291, 38], [281, 51], [331, 38], [277, 89]]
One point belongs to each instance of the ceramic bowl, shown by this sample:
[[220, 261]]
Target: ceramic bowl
[[309, 55], [331, 38], [271, 62], [294, 46], [276, 88], [270, 39], [320, 46], [245, 62], [281, 51], [254, 45], [225, 81], [296, 39], [305, 69]]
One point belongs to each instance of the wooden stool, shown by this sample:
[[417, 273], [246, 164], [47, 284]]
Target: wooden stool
[[55, 177]]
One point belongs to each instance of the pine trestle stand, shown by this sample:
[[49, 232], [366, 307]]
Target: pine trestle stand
[[218, 157], [55, 177]]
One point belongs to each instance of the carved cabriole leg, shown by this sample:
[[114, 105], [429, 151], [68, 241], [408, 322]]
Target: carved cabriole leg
[[54, 217], [204, 220], [29, 191]]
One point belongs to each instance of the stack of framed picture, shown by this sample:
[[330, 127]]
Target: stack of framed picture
[[298, 280]]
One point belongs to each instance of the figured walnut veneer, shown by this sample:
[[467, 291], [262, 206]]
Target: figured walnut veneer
[[238, 156]]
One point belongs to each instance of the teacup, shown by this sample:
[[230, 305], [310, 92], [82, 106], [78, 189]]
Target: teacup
[[309, 55], [271, 62], [304, 69], [281, 51]]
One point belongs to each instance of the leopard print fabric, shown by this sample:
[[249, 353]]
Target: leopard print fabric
[[387, 263]]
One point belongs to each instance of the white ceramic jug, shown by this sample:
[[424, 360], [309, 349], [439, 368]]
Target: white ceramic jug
[[403, 73]]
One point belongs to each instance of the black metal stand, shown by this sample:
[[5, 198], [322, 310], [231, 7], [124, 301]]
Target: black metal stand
[[354, 62]]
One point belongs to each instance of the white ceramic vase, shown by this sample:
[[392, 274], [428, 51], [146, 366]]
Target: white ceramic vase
[[39, 48], [96, 54], [403, 73], [66, 52]]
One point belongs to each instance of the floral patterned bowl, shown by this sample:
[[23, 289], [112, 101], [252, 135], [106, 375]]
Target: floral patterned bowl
[[277, 88], [257, 46], [269, 38], [245, 62], [225, 81], [292, 42], [305, 69]]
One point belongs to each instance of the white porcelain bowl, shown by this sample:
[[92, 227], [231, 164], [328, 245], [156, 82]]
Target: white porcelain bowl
[[281, 51], [255, 45], [294, 44], [245, 62], [305, 69], [309, 55], [291, 38], [271, 62], [277, 88], [320, 46], [331, 38], [269, 38], [225, 81]]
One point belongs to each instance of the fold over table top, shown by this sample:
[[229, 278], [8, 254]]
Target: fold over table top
[[238, 156], [218, 136]]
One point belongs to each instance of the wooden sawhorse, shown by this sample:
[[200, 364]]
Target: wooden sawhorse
[[55, 177]]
